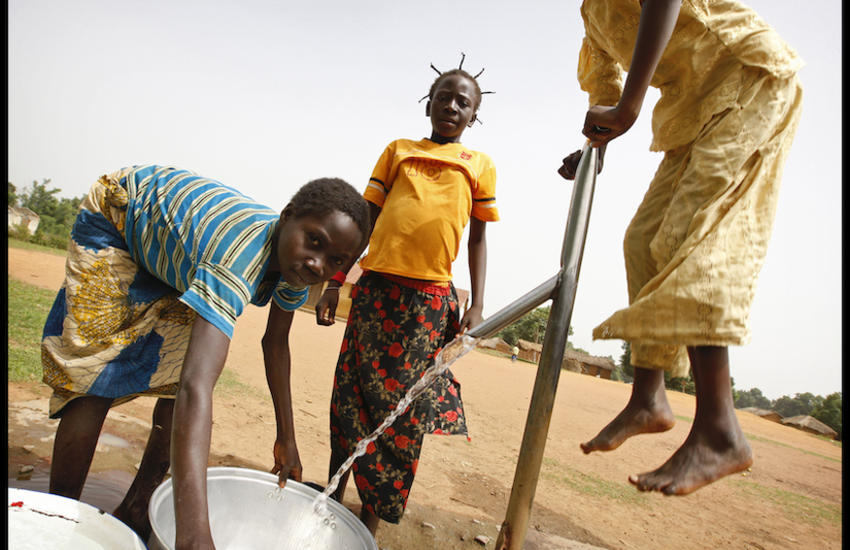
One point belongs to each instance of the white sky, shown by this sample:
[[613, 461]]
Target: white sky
[[266, 95]]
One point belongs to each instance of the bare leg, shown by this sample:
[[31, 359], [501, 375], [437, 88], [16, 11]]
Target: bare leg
[[133, 510], [716, 446], [76, 439], [646, 412], [370, 520]]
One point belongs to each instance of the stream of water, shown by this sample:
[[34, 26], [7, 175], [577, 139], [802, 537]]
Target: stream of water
[[315, 528], [450, 353]]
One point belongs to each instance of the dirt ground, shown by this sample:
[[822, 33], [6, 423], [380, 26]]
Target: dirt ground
[[791, 497]]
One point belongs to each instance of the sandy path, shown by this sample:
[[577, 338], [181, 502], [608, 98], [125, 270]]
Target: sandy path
[[790, 499]]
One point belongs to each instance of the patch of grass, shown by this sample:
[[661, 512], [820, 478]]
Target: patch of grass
[[684, 418], [752, 437], [28, 308], [795, 505], [17, 243], [829, 440], [229, 384], [588, 484]]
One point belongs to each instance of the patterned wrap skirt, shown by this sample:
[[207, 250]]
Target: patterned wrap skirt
[[114, 330], [395, 329]]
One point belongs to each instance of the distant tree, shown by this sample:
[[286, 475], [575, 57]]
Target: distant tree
[[800, 404], [13, 194], [684, 384], [625, 370], [829, 412], [56, 215], [39, 198], [751, 398], [530, 327]]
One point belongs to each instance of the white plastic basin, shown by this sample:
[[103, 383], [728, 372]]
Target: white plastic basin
[[41, 521]]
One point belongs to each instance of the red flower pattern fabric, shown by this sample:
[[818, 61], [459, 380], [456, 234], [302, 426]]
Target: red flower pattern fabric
[[393, 333]]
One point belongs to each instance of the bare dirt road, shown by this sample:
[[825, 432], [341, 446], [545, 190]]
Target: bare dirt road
[[791, 498]]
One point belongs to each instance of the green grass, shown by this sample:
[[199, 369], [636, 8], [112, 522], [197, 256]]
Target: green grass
[[16, 243], [229, 384], [796, 506], [752, 437], [829, 440], [586, 484], [28, 308]]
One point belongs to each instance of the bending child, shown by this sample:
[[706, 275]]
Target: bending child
[[404, 306], [161, 262], [729, 107]]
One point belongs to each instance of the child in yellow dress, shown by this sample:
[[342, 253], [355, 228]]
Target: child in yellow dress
[[404, 306], [729, 107]]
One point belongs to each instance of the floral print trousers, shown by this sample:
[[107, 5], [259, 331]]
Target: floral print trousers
[[395, 329]]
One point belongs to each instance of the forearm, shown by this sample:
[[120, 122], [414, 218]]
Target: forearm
[[657, 20], [192, 428], [477, 261], [190, 443], [277, 361]]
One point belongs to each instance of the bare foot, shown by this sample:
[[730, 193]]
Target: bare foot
[[652, 417], [704, 457], [136, 518]]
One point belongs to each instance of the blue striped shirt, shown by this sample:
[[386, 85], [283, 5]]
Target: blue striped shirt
[[207, 240]]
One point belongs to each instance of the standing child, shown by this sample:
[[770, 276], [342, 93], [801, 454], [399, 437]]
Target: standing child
[[729, 107], [404, 306], [161, 261]]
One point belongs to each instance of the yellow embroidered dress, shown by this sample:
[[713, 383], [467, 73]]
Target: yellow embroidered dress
[[728, 111]]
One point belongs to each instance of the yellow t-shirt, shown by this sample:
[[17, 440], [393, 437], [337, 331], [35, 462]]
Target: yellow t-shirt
[[699, 74], [426, 192]]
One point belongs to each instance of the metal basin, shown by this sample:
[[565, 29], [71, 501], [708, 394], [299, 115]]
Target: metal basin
[[248, 511], [39, 521]]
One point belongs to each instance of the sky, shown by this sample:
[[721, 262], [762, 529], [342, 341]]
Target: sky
[[266, 95]]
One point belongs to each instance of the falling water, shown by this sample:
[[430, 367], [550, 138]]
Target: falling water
[[315, 529], [450, 353]]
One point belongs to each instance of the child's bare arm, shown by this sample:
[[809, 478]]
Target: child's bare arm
[[477, 271], [570, 163], [191, 431], [657, 20], [287, 463]]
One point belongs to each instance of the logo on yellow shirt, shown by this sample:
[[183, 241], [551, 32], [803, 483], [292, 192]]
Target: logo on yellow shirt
[[426, 168]]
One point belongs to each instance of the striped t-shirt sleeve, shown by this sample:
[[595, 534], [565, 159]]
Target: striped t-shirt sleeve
[[217, 295], [289, 298]]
